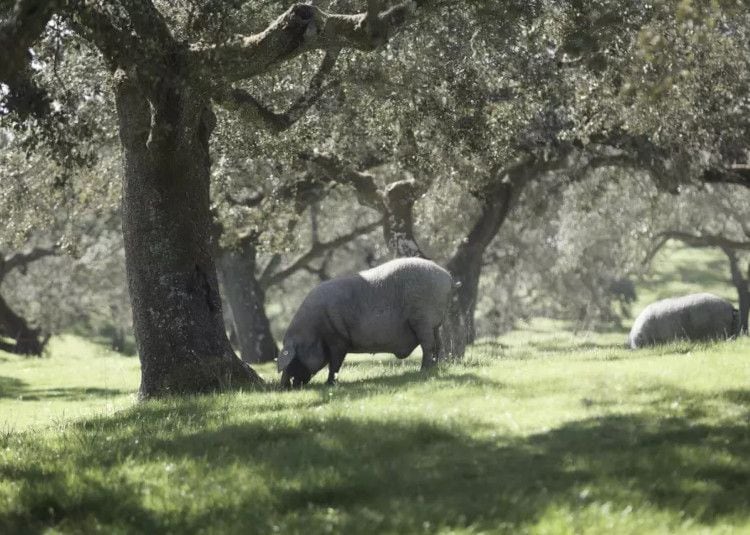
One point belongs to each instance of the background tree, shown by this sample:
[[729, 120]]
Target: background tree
[[162, 89]]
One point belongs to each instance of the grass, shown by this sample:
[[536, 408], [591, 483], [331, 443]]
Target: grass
[[542, 430], [679, 270], [76, 378]]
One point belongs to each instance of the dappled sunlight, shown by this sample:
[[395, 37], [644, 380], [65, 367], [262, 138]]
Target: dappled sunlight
[[651, 440], [290, 472], [76, 378]]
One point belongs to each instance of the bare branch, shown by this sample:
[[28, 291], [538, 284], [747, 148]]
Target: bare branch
[[322, 271], [741, 168], [301, 28], [252, 110], [267, 271], [317, 250]]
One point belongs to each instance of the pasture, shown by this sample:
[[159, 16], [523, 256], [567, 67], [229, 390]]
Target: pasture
[[542, 430], [503, 186]]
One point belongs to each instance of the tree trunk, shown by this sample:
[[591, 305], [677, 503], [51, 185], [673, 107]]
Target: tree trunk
[[177, 317], [466, 267], [14, 326], [741, 285], [398, 225], [246, 300]]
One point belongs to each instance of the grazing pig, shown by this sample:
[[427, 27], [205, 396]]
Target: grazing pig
[[391, 308], [701, 316]]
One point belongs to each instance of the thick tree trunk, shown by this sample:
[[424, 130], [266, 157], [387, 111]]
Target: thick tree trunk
[[27, 341], [177, 315], [466, 267], [741, 285], [246, 300]]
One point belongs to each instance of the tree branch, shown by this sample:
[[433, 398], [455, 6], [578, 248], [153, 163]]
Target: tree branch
[[336, 170], [19, 31], [252, 110], [22, 260], [733, 174], [653, 252], [149, 22], [267, 271], [317, 250], [709, 240], [120, 48], [301, 28]]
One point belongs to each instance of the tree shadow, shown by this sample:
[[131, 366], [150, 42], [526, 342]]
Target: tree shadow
[[13, 388], [609, 328], [70, 393], [388, 475], [377, 385], [47, 501], [565, 346]]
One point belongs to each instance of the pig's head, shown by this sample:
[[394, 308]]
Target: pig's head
[[299, 362]]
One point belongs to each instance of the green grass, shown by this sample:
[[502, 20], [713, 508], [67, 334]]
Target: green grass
[[679, 270], [527, 436], [542, 430], [75, 378]]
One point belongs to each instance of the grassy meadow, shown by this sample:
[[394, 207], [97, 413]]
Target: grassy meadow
[[542, 430]]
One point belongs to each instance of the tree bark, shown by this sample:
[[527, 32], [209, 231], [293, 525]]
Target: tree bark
[[27, 341], [177, 318], [741, 285], [246, 299], [398, 225], [458, 330]]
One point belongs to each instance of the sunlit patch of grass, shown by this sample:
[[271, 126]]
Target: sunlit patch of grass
[[74, 378], [680, 270]]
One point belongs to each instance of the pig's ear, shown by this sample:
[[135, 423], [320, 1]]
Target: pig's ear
[[285, 358]]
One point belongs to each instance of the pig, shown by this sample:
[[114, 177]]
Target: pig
[[701, 316], [390, 308]]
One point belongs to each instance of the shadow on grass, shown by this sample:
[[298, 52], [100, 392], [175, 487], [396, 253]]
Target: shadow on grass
[[372, 386], [394, 476], [611, 328], [13, 388], [51, 502], [566, 346]]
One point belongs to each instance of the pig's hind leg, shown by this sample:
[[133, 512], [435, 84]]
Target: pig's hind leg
[[335, 360], [429, 341]]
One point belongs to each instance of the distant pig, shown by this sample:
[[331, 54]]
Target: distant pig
[[391, 308], [701, 316]]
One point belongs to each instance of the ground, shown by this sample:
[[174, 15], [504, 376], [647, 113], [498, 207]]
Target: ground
[[542, 430]]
